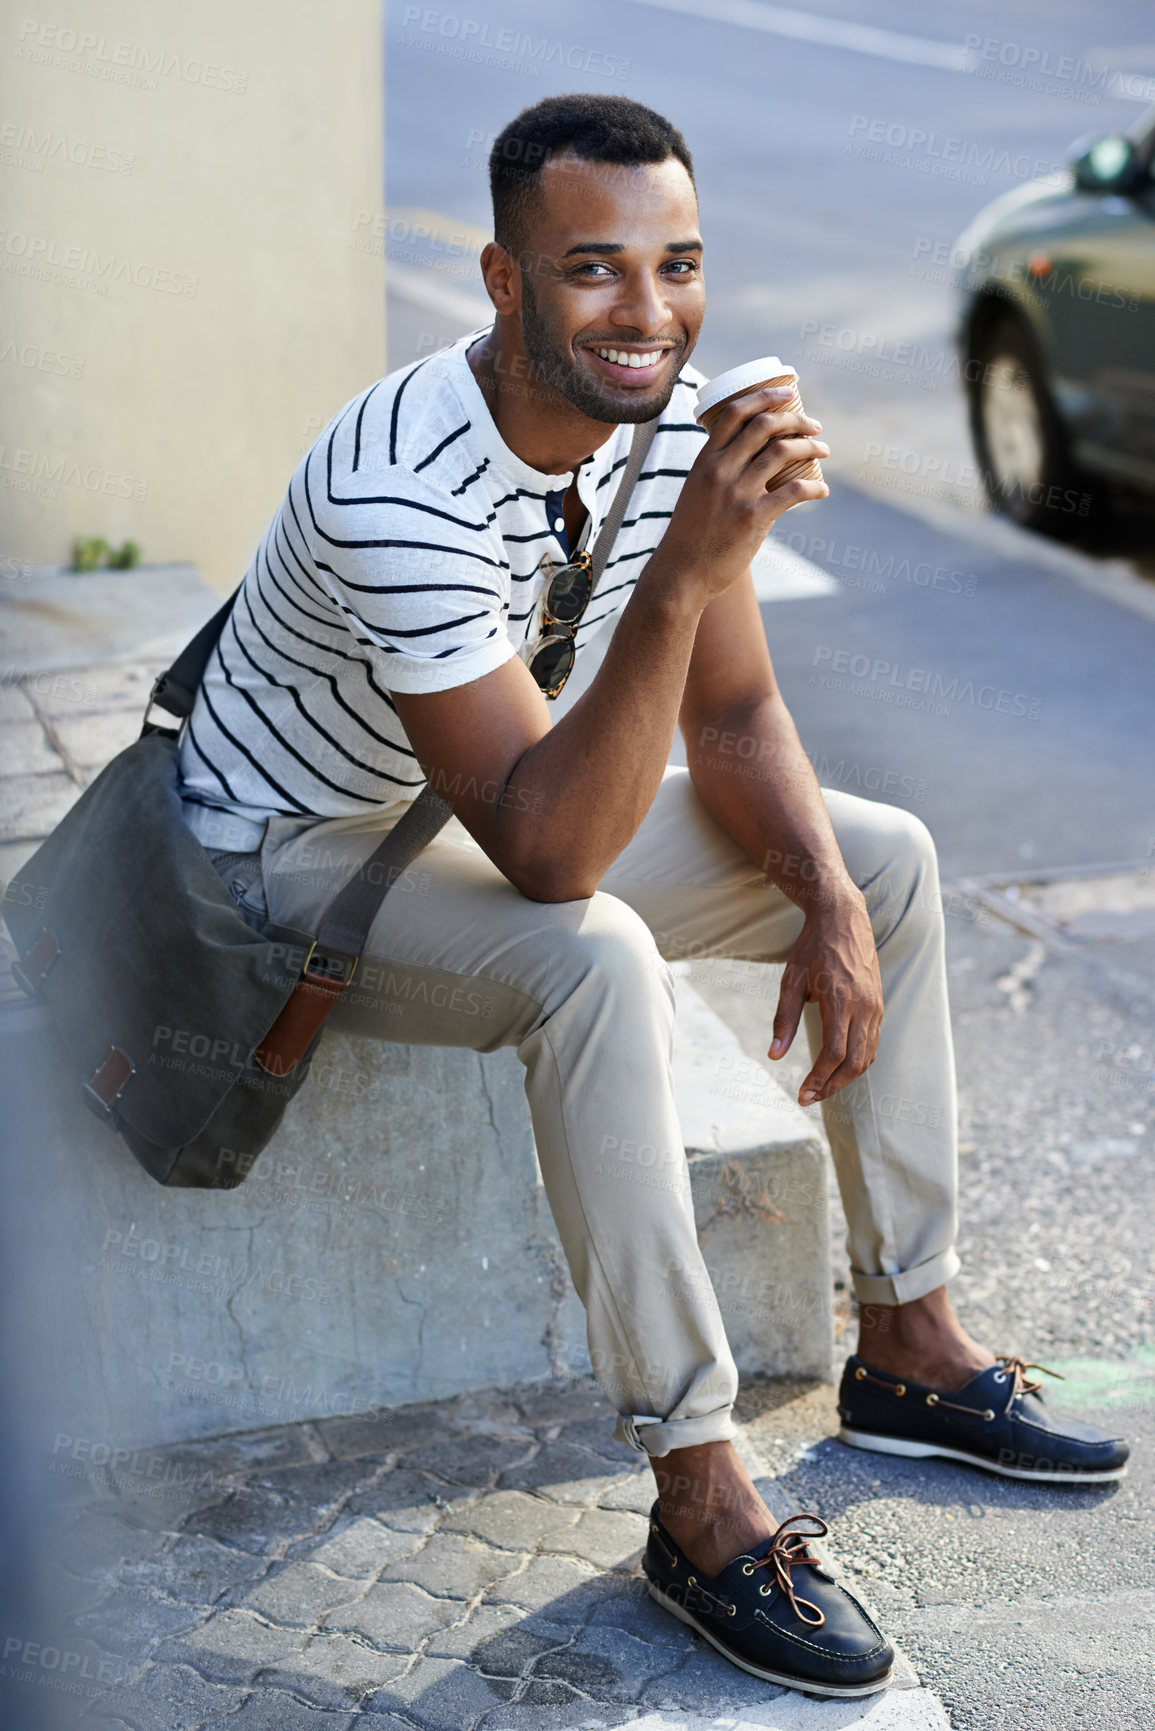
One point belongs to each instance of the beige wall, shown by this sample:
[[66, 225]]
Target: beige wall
[[183, 304]]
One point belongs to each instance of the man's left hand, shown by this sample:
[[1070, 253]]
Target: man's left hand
[[834, 964]]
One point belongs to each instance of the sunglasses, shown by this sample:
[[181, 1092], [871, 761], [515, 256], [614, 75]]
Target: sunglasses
[[566, 598]]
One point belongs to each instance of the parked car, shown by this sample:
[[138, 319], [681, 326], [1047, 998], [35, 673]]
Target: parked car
[[1057, 334]]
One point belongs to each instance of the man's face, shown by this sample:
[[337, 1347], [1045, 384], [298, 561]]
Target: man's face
[[612, 289]]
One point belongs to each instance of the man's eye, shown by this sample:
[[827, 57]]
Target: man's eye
[[683, 266]]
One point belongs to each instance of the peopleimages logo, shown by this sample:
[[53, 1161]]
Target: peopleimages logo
[[24, 147], [1031, 67], [132, 63], [36, 472], [33, 254], [475, 39], [948, 152], [913, 687]]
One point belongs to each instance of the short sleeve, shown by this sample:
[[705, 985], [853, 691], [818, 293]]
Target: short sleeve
[[420, 576]]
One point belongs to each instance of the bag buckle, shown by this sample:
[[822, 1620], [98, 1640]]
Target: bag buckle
[[332, 967], [147, 727]]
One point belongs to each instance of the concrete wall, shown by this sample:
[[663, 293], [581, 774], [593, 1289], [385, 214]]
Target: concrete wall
[[184, 302]]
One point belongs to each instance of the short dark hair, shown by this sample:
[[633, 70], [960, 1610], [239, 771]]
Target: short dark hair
[[598, 128]]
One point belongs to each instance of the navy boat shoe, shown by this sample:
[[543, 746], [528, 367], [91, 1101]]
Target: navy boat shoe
[[775, 1612], [996, 1421]]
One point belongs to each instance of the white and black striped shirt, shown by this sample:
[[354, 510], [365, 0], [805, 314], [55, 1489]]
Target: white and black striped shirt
[[409, 555]]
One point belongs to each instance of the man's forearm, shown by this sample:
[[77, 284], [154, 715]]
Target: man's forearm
[[594, 775], [755, 780]]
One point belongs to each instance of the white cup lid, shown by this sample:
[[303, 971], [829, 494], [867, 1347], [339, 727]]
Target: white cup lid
[[740, 379]]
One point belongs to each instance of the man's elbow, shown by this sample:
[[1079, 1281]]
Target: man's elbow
[[544, 883]]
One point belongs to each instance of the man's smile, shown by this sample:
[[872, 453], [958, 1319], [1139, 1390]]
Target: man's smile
[[636, 364]]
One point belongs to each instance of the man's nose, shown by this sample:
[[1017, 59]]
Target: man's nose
[[642, 305]]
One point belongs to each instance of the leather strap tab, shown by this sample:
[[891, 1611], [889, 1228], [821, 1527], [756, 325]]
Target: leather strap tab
[[108, 1082], [297, 1026], [324, 977], [29, 972]]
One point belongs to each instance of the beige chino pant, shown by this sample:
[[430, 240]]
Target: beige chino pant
[[583, 990]]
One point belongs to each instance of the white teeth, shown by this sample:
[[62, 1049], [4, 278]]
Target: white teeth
[[623, 358]]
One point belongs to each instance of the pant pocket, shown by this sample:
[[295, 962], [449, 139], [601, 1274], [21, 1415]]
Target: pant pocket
[[241, 876]]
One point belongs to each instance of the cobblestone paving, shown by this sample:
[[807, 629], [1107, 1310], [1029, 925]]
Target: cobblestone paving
[[472, 1563]]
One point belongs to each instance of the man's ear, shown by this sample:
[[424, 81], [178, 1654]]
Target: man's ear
[[502, 276]]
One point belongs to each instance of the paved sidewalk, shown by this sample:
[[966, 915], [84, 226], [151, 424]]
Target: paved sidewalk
[[452, 1567], [78, 655]]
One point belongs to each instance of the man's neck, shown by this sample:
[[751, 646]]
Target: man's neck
[[535, 422]]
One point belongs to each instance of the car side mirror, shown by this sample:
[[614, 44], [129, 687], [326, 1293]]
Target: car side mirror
[[1108, 165]]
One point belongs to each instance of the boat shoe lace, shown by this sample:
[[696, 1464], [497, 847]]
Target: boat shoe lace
[[789, 1549], [1016, 1369]]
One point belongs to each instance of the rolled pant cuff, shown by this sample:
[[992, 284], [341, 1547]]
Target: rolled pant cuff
[[912, 1283], [657, 1436]]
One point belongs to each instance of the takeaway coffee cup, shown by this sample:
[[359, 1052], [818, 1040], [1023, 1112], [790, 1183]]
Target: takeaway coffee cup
[[712, 399]]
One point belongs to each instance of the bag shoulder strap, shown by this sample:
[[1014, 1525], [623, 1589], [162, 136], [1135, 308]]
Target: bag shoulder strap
[[176, 688], [639, 446]]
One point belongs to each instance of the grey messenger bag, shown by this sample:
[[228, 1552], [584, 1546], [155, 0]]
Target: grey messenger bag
[[124, 927]]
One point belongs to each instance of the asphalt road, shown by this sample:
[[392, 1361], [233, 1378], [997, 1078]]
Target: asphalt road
[[997, 688]]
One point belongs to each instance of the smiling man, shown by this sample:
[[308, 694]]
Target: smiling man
[[403, 620]]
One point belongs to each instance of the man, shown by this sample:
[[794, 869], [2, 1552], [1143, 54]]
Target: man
[[387, 632]]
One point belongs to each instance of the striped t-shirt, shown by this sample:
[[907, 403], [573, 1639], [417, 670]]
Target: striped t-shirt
[[408, 555]]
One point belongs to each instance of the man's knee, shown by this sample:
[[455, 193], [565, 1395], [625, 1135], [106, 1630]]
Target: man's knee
[[609, 939], [905, 879], [914, 844]]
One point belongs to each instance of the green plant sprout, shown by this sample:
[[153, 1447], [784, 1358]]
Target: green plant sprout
[[89, 553]]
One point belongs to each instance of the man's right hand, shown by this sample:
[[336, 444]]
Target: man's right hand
[[729, 503]]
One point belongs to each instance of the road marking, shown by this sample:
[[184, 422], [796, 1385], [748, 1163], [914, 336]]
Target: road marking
[[420, 288], [1100, 1385], [419, 224], [859, 38], [780, 574], [829, 32]]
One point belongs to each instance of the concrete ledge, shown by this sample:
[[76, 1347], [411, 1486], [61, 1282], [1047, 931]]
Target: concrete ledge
[[393, 1244], [53, 618], [759, 1176]]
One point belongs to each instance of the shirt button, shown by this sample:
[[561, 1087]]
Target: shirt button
[[559, 524]]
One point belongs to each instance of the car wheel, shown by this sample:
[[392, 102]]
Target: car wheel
[[1019, 441]]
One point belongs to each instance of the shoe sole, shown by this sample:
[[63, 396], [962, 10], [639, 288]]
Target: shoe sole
[[782, 1678], [886, 1445]]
